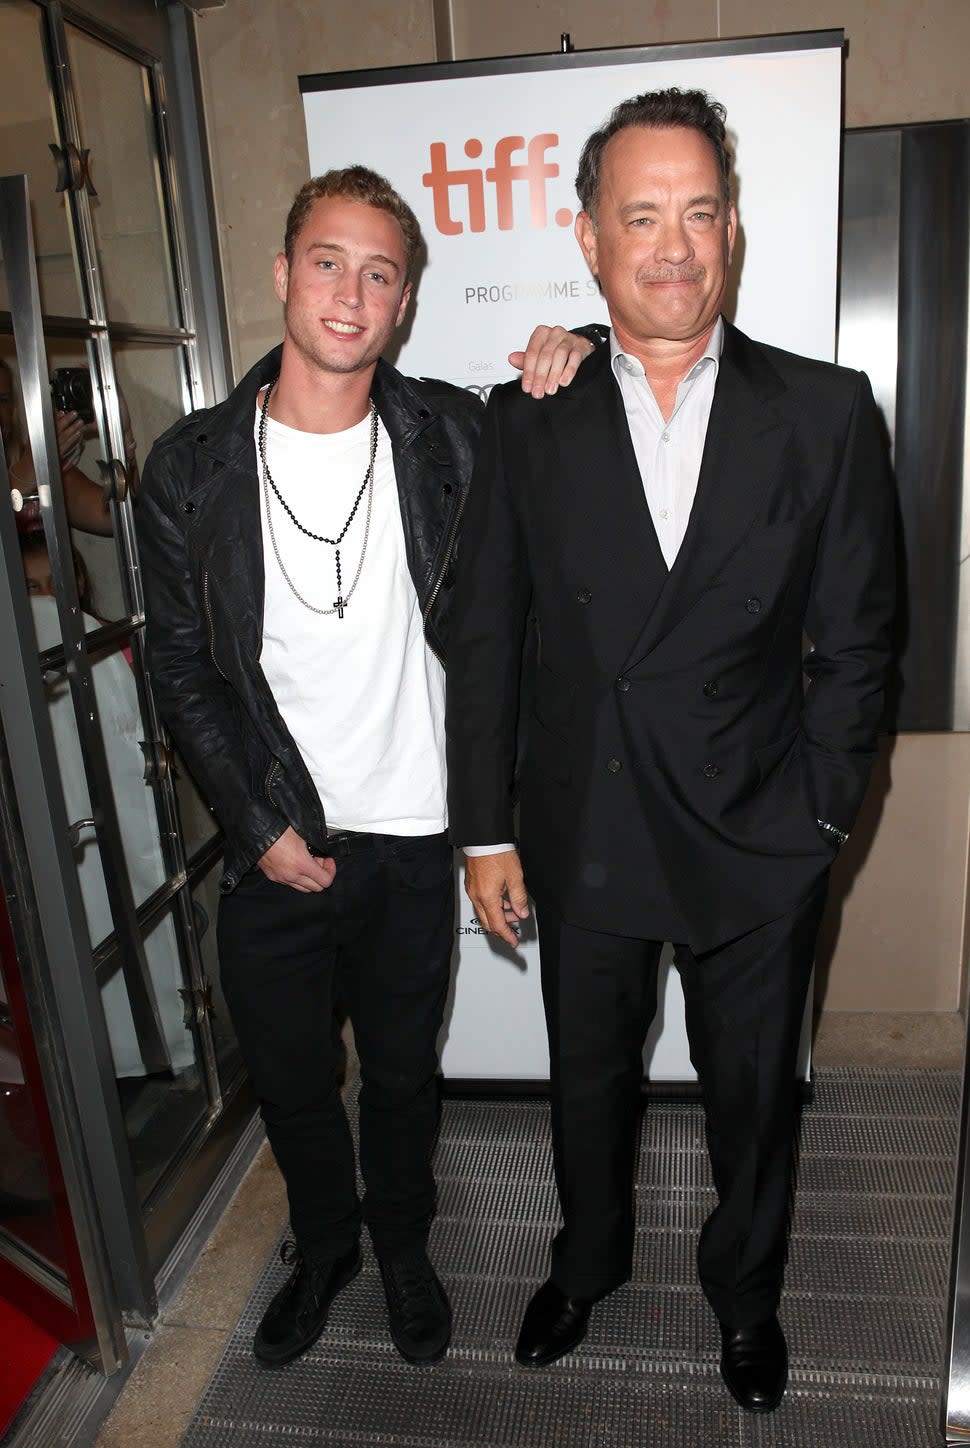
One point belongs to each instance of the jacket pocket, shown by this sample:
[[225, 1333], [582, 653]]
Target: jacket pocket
[[547, 752], [771, 755], [782, 807]]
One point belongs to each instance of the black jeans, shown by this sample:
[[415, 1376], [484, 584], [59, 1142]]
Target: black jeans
[[380, 940]]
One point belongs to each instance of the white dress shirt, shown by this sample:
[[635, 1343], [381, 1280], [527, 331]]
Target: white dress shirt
[[669, 453]]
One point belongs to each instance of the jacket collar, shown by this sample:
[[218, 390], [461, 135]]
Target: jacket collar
[[226, 431], [404, 413], [603, 489]]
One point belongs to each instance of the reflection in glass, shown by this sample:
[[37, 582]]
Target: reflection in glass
[[121, 723], [82, 452], [117, 128], [199, 824], [152, 381], [78, 472], [151, 396], [26, 1209], [162, 1110], [26, 133], [134, 802], [88, 512]]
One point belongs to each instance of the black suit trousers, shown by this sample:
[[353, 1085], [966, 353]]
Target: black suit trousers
[[744, 1004], [379, 940]]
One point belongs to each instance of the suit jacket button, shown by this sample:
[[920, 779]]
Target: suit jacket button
[[188, 507], [614, 766], [711, 771], [623, 684], [710, 689], [583, 595], [753, 605]]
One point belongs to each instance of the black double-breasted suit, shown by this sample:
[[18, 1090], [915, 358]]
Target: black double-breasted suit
[[679, 752]]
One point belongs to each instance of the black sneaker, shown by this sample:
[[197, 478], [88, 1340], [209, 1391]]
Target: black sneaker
[[418, 1310], [298, 1313]]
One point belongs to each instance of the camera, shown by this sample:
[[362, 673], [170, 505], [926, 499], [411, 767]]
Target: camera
[[71, 391]]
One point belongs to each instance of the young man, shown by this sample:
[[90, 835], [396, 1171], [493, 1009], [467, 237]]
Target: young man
[[675, 521], [298, 545]]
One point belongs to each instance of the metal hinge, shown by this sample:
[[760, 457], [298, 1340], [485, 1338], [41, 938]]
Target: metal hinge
[[197, 1005], [158, 760]]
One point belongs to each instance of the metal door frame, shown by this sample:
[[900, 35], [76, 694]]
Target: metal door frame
[[119, 1239], [59, 984]]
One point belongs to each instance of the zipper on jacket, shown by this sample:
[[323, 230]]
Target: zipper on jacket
[[436, 588], [212, 628], [270, 776]]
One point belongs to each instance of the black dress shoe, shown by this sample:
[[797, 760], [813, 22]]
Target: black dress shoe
[[754, 1364], [553, 1325], [298, 1313], [418, 1310]]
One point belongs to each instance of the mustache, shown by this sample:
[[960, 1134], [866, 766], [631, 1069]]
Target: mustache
[[687, 273]]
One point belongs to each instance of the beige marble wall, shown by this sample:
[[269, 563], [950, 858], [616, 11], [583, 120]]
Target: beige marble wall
[[907, 61], [251, 54], [897, 934]]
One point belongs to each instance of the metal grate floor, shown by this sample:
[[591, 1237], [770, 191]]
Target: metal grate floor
[[863, 1308]]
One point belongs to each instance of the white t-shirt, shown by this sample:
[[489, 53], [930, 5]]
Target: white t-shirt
[[362, 695]]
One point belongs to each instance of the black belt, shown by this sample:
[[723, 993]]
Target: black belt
[[349, 842], [343, 842]]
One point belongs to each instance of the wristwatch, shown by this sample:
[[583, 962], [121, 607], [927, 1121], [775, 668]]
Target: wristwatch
[[832, 833]]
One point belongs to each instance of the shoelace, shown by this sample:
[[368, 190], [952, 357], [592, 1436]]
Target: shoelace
[[309, 1270]]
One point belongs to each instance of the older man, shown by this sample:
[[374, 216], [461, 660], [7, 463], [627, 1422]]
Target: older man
[[676, 521], [297, 543]]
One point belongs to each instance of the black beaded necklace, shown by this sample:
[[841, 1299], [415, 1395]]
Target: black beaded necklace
[[340, 602]]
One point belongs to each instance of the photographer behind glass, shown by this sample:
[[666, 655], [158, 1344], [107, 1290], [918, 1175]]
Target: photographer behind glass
[[87, 508]]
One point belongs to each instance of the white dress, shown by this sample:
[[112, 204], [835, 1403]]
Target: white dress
[[121, 725]]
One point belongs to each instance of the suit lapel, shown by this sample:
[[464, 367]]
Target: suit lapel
[[746, 437], [608, 509]]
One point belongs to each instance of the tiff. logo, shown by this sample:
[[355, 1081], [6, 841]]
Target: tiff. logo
[[534, 170]]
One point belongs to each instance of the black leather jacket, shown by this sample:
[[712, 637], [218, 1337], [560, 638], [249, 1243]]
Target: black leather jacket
[[200, 547]]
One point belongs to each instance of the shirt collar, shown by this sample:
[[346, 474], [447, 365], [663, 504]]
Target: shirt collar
[[622, 361]]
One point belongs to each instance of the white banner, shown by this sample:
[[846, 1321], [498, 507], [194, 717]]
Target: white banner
[[488, 161], [486, 154]]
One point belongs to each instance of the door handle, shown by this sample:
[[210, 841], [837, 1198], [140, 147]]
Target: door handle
[[114, 480], [18, 499], [74, 831]]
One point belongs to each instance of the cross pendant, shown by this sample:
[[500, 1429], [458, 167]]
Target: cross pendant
[[338, 604]]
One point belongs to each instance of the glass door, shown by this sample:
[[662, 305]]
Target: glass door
[[99, 352]]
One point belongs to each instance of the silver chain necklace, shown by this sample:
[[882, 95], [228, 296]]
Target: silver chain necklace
[[341, 601]]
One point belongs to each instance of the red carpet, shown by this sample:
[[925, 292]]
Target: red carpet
[[25, 1351]]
